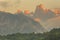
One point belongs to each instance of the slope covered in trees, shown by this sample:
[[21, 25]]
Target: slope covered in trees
[[54, 34]]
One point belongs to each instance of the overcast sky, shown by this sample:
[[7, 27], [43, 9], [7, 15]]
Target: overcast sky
[[13, 5]]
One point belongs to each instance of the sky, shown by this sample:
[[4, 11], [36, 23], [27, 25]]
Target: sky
[[13, 5]]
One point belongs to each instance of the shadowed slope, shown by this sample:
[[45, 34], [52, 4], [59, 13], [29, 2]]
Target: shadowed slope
[[13, 23]]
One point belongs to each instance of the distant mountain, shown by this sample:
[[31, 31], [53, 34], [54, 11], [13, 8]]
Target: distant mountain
[[52, 23], [40, 21], [43, 13], [13, 23], [39, 12], [49, 14], [48, 18]]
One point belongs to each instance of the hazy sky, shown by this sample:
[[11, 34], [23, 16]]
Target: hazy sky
[[13, 5]]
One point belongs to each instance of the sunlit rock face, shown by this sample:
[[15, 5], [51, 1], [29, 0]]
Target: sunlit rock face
[[43, 13], [56, 11], [39, 12], [48, 17]]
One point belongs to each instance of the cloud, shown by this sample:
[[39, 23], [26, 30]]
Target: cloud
[[9, 3], [4, 4]]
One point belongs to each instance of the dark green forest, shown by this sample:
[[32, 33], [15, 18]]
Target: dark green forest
[[54, 34]]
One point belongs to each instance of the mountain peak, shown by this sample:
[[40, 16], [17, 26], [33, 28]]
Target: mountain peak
[[41, 6], [56, 11], [18, 11], [46, 10], [27, 12]]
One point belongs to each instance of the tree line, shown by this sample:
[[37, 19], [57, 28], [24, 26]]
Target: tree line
[[54, 34]]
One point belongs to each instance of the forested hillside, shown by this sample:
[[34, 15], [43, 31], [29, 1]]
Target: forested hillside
[[54, 34]]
